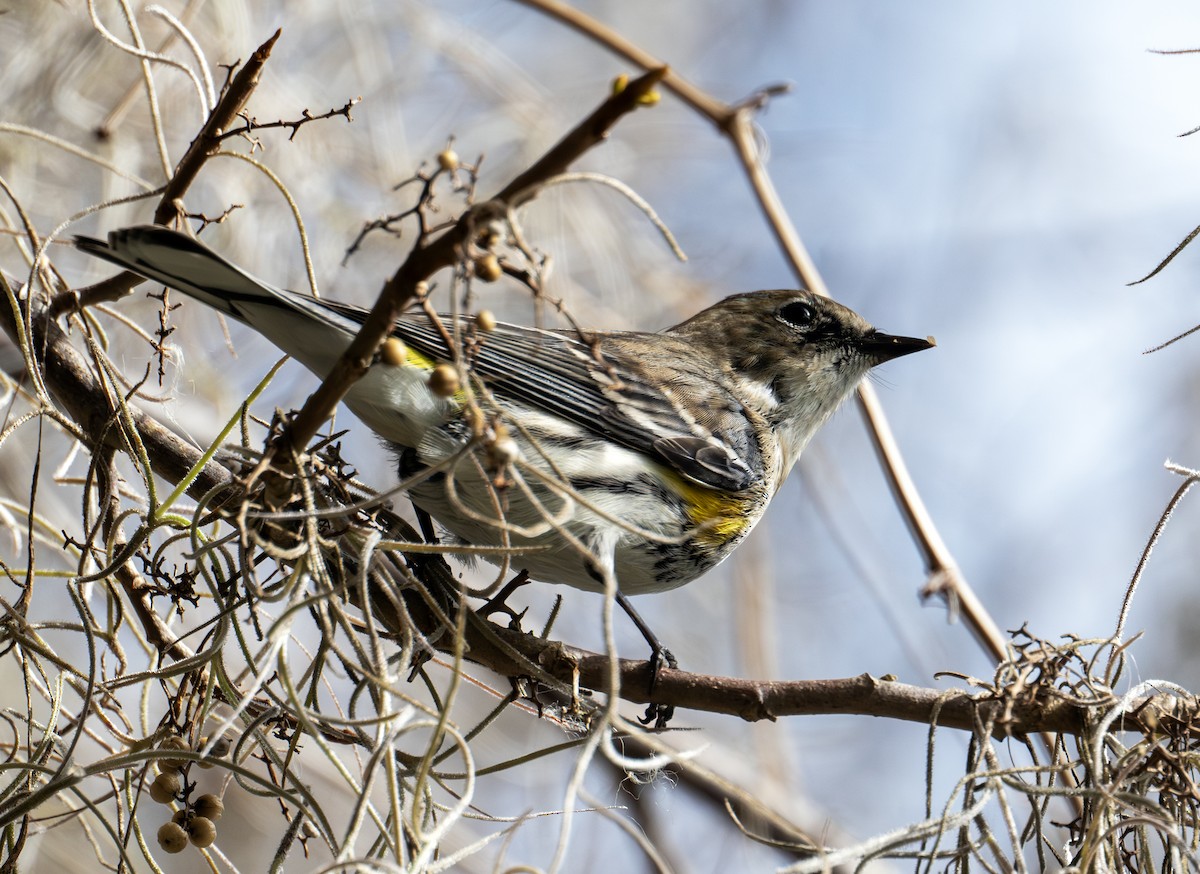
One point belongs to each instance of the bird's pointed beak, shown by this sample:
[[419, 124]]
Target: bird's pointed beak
[[884, 347]]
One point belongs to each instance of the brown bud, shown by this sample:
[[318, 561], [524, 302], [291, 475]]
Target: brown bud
[[209, 806], [220, 748], [173, 742]]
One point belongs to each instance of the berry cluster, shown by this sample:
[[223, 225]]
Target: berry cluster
[[195, 822]]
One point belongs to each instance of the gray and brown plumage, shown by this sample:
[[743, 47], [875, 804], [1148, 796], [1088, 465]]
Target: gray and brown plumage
[[653, 454]]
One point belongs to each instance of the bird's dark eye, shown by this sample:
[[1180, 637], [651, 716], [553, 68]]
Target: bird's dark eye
[[801, 315]]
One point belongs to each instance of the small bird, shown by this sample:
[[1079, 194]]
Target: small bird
[[647, 455]]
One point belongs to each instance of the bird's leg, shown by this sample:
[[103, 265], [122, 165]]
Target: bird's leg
[[496, 604], [426, 523], [659, 714]]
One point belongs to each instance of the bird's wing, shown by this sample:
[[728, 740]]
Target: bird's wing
[[601, 384]]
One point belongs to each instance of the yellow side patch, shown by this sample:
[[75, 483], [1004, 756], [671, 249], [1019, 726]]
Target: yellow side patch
[[416, 359], [413, 358], [720, 516]]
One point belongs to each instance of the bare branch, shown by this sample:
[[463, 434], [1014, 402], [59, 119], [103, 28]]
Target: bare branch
[[424, 261], [232, 101]]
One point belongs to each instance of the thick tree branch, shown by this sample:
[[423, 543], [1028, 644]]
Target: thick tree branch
[[70, 378], [509, 652]]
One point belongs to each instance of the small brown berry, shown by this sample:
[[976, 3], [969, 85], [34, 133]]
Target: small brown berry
[[393, 352], [485, 320], [165, 787], [209, 806], [489, 237], [448, 159], [220, 751], [202, 831], [181, 816], [173, 742], [487, 267], [172, 837], [444, 381]]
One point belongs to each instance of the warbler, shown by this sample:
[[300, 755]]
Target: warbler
[[647, 455]]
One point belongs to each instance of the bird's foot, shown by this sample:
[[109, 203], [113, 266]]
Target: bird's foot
[[658, 714]]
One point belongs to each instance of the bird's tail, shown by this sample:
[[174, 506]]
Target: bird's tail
[[178, 261]]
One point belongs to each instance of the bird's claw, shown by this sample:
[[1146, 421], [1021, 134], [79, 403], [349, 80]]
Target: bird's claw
[[658, 714]]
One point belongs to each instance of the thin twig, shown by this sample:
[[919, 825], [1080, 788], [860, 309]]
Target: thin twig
[[232, 101]]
